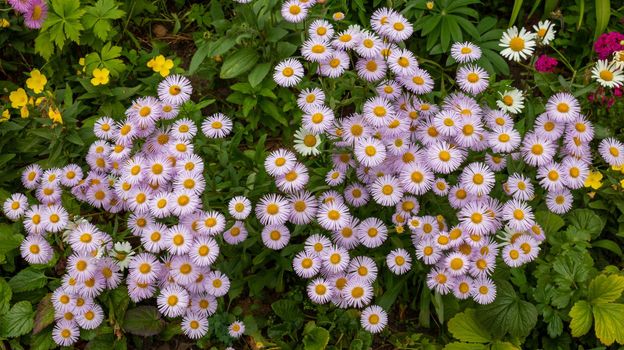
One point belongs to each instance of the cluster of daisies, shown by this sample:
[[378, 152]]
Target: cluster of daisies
[[143, 164], [401, 146]]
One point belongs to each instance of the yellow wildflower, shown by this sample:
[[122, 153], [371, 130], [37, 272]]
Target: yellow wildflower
[[430, 5], [37, 81], [399, 229], [24, 112], [81, 61], [55, 115], [18, 98], [5, 116], [100, 76], [594, 180], [618, 168], [4, 23], [160, 64]]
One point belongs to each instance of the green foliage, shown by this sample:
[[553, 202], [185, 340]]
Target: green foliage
[[144, 321], [100, 16], [608, 316], [508, 314], [63, 23]]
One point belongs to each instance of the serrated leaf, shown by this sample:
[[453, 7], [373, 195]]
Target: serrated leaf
[[464, 326], [44, 45], [99, 17], [27, 280], [605, 289], [609, 323], [144, 321], [584, 222], [581, 315], [508, 313], [18, 321], [63, 21]]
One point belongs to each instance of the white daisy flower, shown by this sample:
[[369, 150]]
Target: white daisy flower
[[517, 45]]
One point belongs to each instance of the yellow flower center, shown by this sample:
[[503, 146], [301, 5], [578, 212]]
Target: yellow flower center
[[516, 44], [288, 72]]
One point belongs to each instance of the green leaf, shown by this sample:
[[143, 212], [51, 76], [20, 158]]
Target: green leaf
[[8, 239], [238, 63], [316, 339], [44, 315], [551, 223], [288, 310], [144, 321], [465, 346], [18, 321], [502, 345], [608, 245], [5, 296], [44, 45], [609, 325], [258, 73], [603, 14], [605, 289], [581, 318], [63, 22], [99, 17], [27, 280], [508, 313], [514, 12], [465, 327], [584, 223]]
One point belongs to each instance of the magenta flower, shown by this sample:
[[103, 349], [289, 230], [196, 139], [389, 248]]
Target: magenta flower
[[546, 64], [608, 43], [36, 13]]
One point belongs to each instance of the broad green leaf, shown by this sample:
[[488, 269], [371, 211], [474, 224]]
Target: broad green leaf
[[18, 321], [258, 73], [585, 222], [551, 223], [603, 14], [144, 321], [27, 280], [239, 63], [465, 327], [609, 319], [5, 296], [508, 313], [605, 289], [316, 339], [581, 318], [8, 239], [608, 245]]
